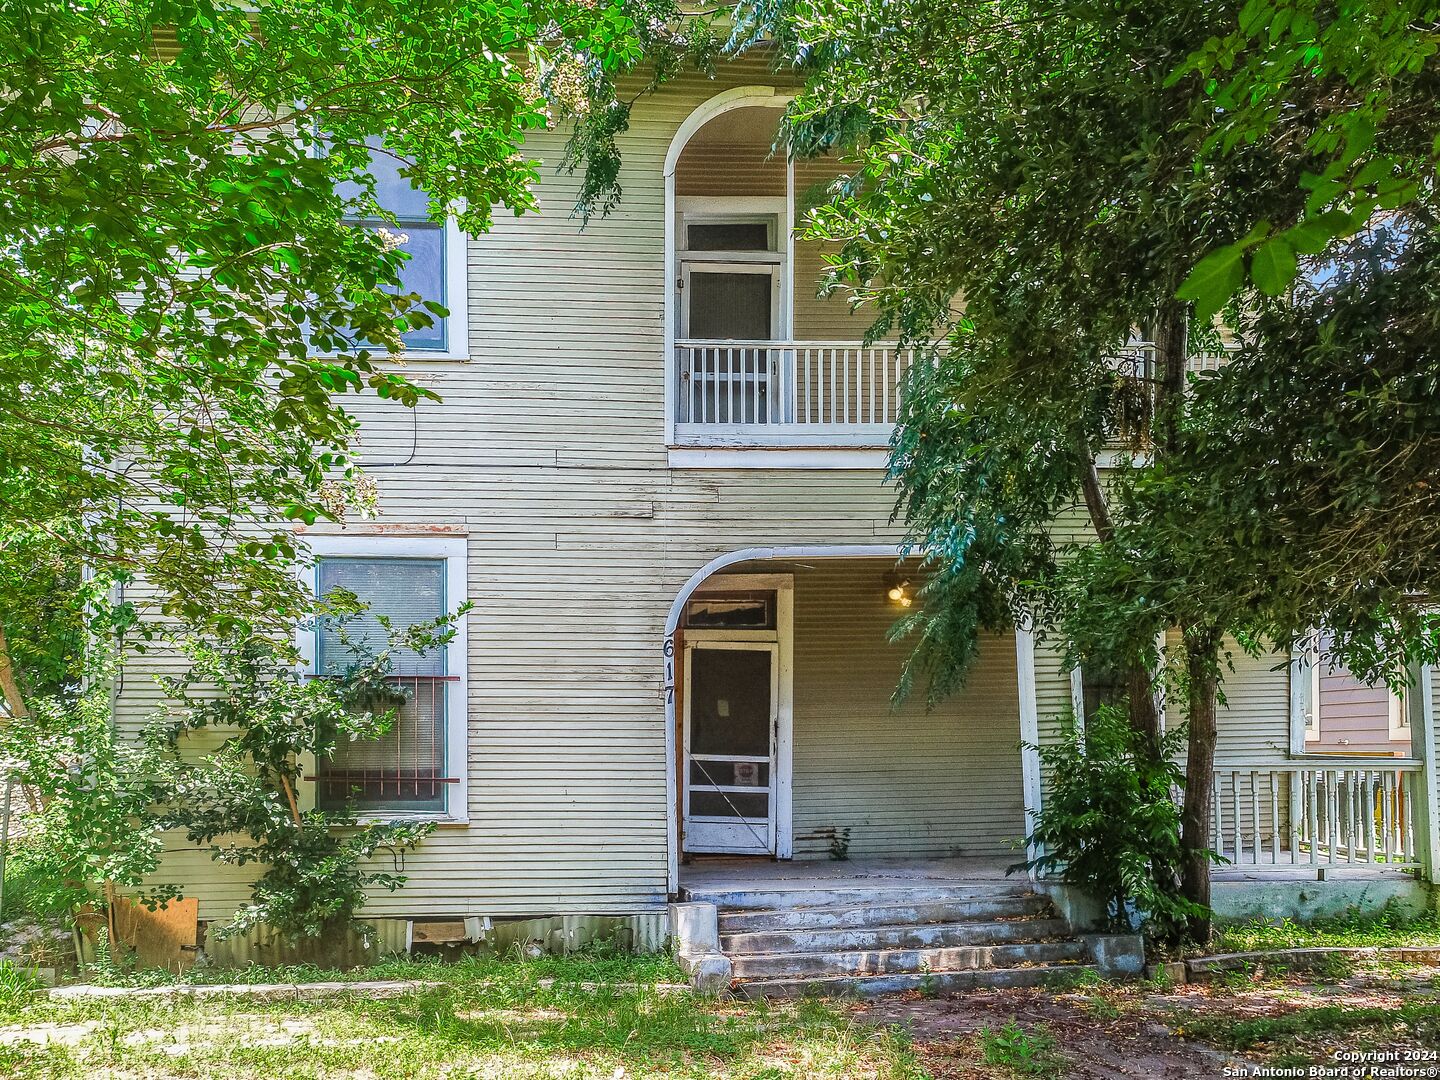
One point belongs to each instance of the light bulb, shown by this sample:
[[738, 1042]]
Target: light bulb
[[904, 601], [896, 593]]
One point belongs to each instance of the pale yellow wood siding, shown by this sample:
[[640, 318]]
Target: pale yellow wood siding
[[735, 169], [906, 781], [548, 449]]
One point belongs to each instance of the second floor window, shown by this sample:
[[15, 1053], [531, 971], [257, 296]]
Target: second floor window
[[731, 276], [433, 249]]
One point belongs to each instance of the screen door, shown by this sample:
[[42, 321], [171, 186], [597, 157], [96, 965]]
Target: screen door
[[731, 690]]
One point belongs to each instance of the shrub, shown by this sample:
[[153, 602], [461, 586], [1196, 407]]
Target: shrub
[[1109, 824], [93, 830]]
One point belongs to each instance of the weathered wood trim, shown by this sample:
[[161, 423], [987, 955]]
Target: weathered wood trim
[[798, 458], [1029, 727]]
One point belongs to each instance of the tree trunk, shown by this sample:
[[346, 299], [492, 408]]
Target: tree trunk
[[1140, 681], [1202, 660], [14, 700], [1144, 715], [1171, 354]]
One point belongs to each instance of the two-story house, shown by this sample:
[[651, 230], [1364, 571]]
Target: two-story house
[[657, 472]]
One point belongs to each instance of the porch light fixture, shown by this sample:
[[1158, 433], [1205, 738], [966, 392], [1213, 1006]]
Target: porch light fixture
[[899, 592]]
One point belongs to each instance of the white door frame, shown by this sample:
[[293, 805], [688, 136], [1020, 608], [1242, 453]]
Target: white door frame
[[784, 616], [733, 266], [745, 830], [783, 763]]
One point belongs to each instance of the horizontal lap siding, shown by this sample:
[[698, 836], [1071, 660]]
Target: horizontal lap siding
[[1253, 722], [548, 448], [1355, 716], [906, 781]]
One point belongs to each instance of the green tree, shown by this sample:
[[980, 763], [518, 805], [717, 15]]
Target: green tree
[[243, 800], [1059, 170], [1351, 85], [183, 306]]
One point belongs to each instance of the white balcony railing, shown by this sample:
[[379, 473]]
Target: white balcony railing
[[788, 392], [1351, 812], [822, 393]]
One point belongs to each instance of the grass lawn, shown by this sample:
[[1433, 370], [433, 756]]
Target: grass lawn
[[616, 1017], [598, 1018], [1386, 928]]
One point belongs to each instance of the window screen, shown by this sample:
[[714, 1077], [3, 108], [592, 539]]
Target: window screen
[[1100, 686], [404, 769], [730, 306], [407, 591]]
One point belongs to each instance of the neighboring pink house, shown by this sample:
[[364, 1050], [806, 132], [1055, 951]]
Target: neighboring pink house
[[1348, 716]]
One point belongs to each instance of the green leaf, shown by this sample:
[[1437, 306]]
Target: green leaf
[[1214, 280], [1311, 236], [1273, 267]]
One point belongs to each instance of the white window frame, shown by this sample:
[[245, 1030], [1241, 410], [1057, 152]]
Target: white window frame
[[457, 295], [454, 550], [1399, 715], [775, 212]]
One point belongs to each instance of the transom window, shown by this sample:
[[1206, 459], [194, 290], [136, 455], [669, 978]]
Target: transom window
[[417, 764], [730, 234], [731, 611]]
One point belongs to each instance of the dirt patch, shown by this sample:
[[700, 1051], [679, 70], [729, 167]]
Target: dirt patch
[[1096, 1036], [1108, 1032]]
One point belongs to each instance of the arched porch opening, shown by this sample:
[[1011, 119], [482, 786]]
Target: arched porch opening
[[782, 743], [754, 356]]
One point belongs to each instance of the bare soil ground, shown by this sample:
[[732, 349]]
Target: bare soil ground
[[1100, 1033]]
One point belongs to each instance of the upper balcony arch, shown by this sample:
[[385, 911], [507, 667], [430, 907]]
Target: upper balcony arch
[[755, 361], [738, 97]]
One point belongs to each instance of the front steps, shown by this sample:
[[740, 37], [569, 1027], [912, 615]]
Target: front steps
[[879, 939]]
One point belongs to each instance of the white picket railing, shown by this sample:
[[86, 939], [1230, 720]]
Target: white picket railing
[[1321, 814], [1139, 361], [821, 392], [798, 388]]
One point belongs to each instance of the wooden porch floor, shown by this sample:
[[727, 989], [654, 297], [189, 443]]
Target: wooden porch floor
[[727, 872]]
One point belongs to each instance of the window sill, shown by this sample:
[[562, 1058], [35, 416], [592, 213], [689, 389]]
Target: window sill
[[395, 817], [416, 356]]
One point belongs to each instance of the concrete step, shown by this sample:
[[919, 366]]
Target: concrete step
[[900, 936], [905, 961], [851, 916], [769, 898], [940, 982]]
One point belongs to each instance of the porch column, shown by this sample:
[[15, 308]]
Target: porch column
[[1426, 792], [1029, 728]]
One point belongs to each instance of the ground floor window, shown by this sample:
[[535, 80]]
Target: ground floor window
[[417, 765]]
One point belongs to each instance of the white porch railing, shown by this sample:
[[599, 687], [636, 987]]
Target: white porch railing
[[798, 392], [823, 393], [1320, 814]]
